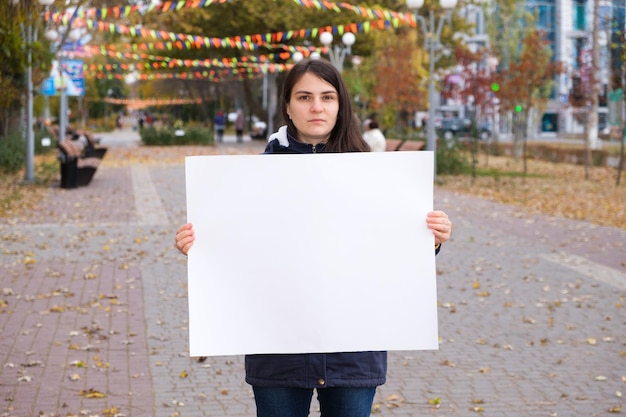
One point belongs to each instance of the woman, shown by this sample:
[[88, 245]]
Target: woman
[[316, 107]]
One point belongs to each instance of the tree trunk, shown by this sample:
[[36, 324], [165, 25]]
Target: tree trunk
[[587, 147], [620, 167], [592, 115]]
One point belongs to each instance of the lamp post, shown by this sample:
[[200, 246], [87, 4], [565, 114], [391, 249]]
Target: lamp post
[[338, 53], [432, 41], [31, 37]]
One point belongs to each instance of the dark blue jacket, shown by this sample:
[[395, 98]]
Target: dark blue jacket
[[282, 142]]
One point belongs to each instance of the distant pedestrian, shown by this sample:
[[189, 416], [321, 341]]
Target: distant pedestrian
[[218, 123], [374, 137], [240, 123]]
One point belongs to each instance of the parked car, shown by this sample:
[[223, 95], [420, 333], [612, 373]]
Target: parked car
[[450, 128]]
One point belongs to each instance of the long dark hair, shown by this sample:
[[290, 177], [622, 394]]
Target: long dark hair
[[346, 135]]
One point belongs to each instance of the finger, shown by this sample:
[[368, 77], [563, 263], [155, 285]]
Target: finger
[[186, 226], [437, 213], [185, 240], [184, 234]]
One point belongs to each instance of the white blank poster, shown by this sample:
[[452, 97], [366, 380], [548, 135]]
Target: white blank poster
[[311, 253]]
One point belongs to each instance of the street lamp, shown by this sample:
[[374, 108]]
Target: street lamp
[[337, 53], [297, 56], [31, 37], [432, 41]]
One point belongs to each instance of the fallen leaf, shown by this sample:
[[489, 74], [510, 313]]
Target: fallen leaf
[[91, 393], [111, 412], [448, 363], [435, 401]]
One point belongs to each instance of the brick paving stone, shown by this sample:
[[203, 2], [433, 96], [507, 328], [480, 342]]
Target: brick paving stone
[[93, 297]]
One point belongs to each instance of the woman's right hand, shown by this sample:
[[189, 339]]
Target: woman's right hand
[[184, 238]]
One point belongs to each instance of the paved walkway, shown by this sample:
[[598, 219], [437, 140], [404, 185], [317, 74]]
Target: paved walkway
[[93, 309]]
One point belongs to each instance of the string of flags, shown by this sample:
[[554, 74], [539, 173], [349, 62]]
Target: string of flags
[[248, 65]]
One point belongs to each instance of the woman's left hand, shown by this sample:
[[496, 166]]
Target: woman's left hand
[[441, 226]]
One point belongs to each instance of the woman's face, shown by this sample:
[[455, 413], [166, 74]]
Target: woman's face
[[313, 108]]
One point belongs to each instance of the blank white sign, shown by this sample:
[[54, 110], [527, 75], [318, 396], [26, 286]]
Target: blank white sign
[[311, 253]]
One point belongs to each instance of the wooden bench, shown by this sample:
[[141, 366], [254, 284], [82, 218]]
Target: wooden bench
[[404, 145]]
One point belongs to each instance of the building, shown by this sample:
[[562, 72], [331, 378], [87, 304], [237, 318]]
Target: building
[[568, 25]]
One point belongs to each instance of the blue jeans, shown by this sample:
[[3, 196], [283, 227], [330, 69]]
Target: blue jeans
[[295, 402]]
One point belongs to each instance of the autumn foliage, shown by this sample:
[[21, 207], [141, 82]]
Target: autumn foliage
[[527, 81]]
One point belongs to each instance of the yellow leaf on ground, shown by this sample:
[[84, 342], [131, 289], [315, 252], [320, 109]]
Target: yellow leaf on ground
[[112, 412], [91, 393]]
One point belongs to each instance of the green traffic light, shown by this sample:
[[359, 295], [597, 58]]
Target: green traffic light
[[518, 108], [495, 87]]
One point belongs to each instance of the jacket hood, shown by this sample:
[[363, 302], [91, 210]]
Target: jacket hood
[[281, 136]]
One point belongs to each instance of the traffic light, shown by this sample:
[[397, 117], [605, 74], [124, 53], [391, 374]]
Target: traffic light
[[518, 108], [495, 87]]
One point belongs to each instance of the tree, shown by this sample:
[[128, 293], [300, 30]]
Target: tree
[[525, 85], [13, 60], [476, 71], [397, 73], [591, 137], [618, 85]]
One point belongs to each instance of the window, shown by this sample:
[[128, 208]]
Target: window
[[579, 15]]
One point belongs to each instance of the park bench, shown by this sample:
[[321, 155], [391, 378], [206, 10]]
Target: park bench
[[76, 170], [403, 145], [79, 156]]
